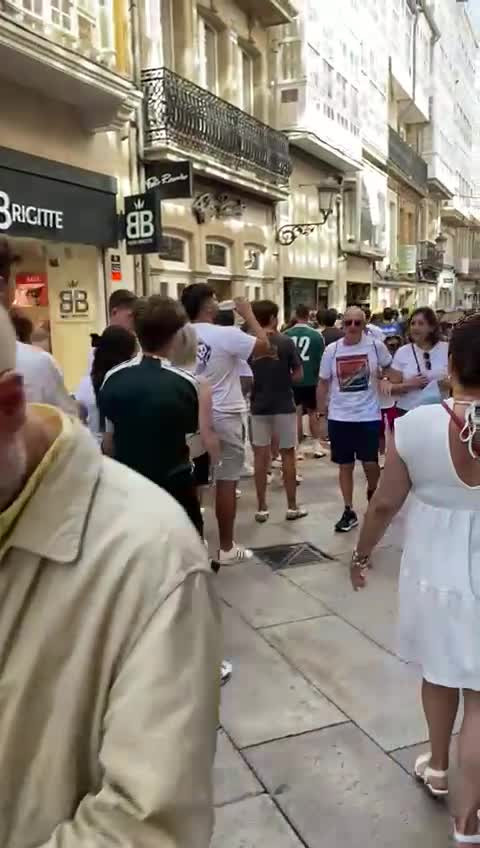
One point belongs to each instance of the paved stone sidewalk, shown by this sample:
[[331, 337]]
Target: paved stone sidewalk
[[321, 722]]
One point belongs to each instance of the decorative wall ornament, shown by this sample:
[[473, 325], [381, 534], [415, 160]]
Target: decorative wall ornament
[[207, 206]]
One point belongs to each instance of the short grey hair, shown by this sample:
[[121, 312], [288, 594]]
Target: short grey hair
[[184, 349]]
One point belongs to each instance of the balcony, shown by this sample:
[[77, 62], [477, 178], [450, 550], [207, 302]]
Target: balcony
[[430, 260], [405, 163], [269, 12], [185, 120], [66, 51]]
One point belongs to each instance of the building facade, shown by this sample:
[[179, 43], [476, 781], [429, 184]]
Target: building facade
[[68, 92], [206, 83]]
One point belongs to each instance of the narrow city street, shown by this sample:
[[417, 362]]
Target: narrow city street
[[321, 722]]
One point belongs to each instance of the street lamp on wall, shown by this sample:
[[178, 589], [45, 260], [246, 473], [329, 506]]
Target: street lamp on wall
[[327, 194]]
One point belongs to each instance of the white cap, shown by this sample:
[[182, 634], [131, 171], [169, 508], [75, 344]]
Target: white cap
[[7, 342]]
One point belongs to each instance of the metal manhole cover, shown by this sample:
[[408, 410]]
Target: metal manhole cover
[[279, 557]]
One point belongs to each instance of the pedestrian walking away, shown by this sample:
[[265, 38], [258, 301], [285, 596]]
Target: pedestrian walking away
[[433, 460], [273, 410], [151, 408], [310, 346], [350, 373], [221, 351], [116, 749]]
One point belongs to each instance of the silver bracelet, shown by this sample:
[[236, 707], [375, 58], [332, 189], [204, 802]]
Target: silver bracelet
[[359, 561]]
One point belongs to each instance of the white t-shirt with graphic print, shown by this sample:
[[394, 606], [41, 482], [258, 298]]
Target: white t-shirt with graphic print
[[222, 352], [353, 374]]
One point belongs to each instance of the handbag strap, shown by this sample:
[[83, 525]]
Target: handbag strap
[[453, 415], [419, 370]]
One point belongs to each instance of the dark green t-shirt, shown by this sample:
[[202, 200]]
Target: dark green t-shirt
[[152, 407], [310, 345]]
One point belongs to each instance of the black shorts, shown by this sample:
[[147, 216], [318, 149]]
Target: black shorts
[[306, 397], [351, 440], [201, 470]]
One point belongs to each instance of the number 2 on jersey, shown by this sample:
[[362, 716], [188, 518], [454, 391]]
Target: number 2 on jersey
[[303, 344]]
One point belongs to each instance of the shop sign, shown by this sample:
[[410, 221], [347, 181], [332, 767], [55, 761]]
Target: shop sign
[[33, 206], [143, 230], [31, 290], [115, 268], [170, 179], [73, 303]]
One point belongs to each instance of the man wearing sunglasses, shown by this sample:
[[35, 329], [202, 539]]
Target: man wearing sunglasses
[[350, 373], [109, 628]]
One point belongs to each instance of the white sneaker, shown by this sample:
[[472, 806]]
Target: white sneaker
[[300, 455], [261, 516], [236, 554], [318, 451], [226, 669], [295, 514], [238, 493]]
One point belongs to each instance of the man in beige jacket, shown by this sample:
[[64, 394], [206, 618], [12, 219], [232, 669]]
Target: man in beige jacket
[[109, 644]]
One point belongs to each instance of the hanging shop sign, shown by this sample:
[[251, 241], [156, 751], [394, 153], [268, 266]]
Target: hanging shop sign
[[143, 226], [31, 290], [50, 201], [116, 268], [170, 179]]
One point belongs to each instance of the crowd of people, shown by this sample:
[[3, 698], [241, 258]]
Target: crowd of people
[[175, 391]]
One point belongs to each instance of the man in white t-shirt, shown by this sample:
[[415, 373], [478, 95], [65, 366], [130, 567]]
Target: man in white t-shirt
[[350, 372], [221, 352], [43, 380]]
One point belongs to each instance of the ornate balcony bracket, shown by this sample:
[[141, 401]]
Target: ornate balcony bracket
[[289, 233]]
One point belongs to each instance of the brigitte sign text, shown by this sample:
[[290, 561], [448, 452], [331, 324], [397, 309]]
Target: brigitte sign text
[[34, 216]]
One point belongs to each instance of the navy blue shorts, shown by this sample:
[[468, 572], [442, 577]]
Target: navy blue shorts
[[351, 440]]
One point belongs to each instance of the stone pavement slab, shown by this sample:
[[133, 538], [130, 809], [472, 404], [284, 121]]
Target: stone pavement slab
[[379, 692], [266, 698], [338, 789], [254, 823], [374, 610], [263, 597], [233, 780]]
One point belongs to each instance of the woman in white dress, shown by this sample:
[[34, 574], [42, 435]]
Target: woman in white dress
[[433, 458], [420, 362]]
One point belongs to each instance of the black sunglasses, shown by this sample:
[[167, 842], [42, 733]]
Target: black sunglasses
[[428, 361], [350, 322]]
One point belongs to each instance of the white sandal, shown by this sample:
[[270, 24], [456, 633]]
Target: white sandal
[[462, 839], [424, 773]]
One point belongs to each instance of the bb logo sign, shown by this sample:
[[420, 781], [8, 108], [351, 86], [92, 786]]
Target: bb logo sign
[[73, 303], [142, 223]]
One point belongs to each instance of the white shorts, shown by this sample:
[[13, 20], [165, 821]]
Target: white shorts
[[283, 427]]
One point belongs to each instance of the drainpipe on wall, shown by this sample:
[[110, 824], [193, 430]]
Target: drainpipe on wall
[[136, 145]]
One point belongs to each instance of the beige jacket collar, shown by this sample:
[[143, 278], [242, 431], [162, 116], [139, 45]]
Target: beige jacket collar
[[52, 523]]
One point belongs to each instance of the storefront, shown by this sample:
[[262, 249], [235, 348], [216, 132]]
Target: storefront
[[311, 293], [59, 221], [222, 236]]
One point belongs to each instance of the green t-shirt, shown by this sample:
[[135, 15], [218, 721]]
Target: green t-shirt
[[310, 345]]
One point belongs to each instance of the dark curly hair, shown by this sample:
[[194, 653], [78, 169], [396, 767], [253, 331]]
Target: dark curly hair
[[114, 346], [432, 321], [465, 351]]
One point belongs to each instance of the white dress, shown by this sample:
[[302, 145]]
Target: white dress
[[439, 619]]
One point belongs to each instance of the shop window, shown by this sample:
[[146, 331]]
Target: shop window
[[217, 254], [172, 249], [208, 55], [164, 289]]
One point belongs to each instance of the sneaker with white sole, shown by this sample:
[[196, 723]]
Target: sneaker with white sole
[[318, 451], [238, 493], [226, 669], [236, 554], [247, 471], [295, 514], [262, 515], [276, 463]]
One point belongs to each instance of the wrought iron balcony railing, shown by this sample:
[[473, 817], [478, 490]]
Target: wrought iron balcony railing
[[430, 256], [179, 112], [406, 160]]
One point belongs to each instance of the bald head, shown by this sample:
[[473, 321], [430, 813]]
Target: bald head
[[7, 342]]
